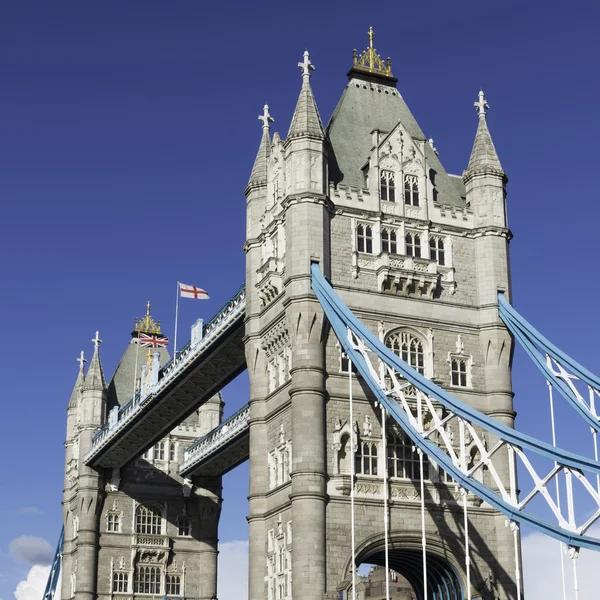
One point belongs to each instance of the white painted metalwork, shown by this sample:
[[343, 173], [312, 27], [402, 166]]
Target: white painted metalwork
[[438, 424]]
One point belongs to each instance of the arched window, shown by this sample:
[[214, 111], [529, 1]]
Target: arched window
[[389, 241], [147, 580], [364, 238], [388, 186], [411, 190], [413, 244], [173, 585], [113, 522], [172, 451], [148, 520], [120, 582], [436, 250], [184, 526], [344, 455], [459, 372], [409, 348], [366, 459], [403, 460]]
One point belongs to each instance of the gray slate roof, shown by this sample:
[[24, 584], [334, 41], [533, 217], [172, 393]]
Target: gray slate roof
[[94, 379], [483, 155], [306, 119], [259, 170], [362, 108], [120, 388]]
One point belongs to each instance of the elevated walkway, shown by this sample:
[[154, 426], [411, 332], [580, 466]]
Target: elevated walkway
[[202, 368], [221, 450]]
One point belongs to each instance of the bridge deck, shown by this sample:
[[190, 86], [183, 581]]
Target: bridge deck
[[221, 450], [199, 373]]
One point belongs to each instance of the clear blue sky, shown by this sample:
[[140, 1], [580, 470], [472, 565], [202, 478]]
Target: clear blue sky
[[127, 135]]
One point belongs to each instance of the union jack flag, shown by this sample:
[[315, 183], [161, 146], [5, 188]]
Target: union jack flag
[[153, 341]]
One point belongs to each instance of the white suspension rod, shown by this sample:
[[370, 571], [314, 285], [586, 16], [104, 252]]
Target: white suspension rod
[[385, 503], [463, 491], [561, 548], [352, 475], [515, 529], [423, 536], [574, 554]]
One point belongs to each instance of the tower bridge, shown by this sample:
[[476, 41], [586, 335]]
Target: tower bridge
[[376, 327]]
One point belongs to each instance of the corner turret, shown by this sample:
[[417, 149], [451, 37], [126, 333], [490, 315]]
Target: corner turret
[[258, 176], [484, 179]]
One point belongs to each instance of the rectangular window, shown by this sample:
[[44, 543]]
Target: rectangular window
[[413, 245], [147, 580], [436, 250], [366, 459], [459, 372], [120, 582], [112, 522], [389, 241], [345, 363], [364, 239], [184, 527], [403, 460]]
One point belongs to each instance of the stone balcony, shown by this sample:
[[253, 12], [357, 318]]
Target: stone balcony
[[270, 283], [405, 275]]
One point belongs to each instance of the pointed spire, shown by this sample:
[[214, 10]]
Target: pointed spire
[[483, 155], [306, 120], [259, 170], [95, 375], [78, 383]]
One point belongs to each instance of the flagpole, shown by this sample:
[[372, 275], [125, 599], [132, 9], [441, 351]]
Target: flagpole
[[137, 353], [176, 319]]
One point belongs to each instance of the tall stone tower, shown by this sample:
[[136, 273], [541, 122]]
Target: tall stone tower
[[419, 255], [141, 530]]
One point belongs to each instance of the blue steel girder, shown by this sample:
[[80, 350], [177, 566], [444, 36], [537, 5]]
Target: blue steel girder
[[199, 373], [220, 450], [560, 370], [54, 575], [429, 431]]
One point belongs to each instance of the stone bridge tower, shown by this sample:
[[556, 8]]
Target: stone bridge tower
[[142, 530], [418, 254]]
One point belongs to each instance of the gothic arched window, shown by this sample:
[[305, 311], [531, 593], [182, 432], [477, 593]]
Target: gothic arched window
[[413, 244], [403, 459], [388, 186], [173, 585], [172, 451], [411, 190], [148, 520], [389, 241], [364, 238], [147, 580], [184, 526], [120, 582], [409, 348], [159, 451], [437, 251]]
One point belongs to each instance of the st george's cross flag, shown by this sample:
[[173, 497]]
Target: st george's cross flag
[[153, 341], [191, 291]]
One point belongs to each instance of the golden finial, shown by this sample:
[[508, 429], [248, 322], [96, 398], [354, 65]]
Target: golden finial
[[149, 358], [370, 61], [147, 324]]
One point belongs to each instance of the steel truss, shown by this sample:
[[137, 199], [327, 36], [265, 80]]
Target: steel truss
[[450, 432]]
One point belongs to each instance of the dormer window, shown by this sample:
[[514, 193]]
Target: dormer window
[[413, 245], [389, 241], [411, 190], [437, 251], [364, 239], [388, 186]]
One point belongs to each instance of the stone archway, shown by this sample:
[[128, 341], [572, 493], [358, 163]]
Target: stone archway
[[444, 575]]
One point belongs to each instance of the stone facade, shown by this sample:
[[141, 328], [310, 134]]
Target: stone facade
[[419, 256], [142, 530]]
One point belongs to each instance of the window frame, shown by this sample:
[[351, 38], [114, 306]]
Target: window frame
[[437, 250], [173, 579], [387, 185], [411, 190], [389, 240], [120, 580], [153, 527], [364, 238], [413, 244], [150, 581], [403, 457], [113, 522]]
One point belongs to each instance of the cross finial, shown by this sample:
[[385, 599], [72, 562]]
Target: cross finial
[[306, 65], [97, 341], [148, 308], [371, 37], [481, 105], [81, 360], [266, 118]]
